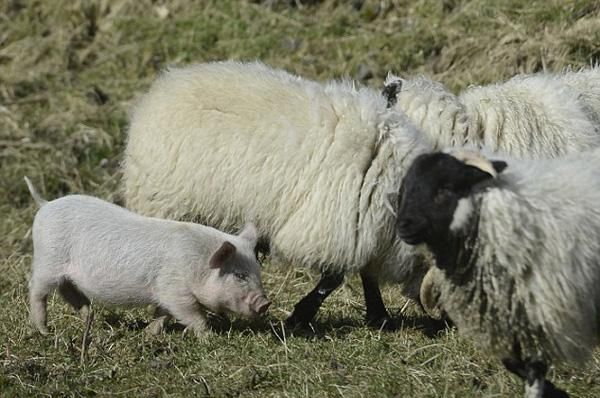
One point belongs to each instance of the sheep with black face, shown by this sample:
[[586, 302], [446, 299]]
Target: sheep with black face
[[516, 252]]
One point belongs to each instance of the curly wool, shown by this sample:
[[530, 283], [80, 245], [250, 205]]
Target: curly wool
[[540, 115], [533, 273], [310, 164], [536, 116]]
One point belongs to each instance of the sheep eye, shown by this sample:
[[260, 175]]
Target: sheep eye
[[241, 275], [442, 196]]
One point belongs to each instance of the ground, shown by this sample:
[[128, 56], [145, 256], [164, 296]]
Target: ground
[[70, 72]]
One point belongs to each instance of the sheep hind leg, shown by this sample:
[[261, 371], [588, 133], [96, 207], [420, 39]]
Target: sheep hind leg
[[306, 309], [377, 315]]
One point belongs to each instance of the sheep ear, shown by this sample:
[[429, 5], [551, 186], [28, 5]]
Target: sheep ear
[[390, 92], [473, 175], [250, 233], [217, 260], [499, 165]]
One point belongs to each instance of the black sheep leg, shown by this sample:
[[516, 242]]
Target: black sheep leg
[[307, 308], [377, 315], [533, 372]]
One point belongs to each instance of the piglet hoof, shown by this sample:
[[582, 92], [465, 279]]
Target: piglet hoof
[[199, 330], [40, 327], [43, 331], [84, 312], [155, 327]]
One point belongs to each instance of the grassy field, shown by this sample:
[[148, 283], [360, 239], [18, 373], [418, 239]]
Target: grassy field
[[69, 72]]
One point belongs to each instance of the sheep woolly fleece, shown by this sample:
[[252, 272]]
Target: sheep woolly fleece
[[534, 270], [537, 116], [310, 164]]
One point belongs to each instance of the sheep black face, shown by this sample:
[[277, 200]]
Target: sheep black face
[[430, 194]]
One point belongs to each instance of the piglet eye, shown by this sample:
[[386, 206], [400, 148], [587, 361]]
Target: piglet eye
[[240, 275]]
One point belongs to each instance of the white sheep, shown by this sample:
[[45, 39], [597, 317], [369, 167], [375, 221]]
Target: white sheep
[[430, 106], [517, 251], [88, 249], [586, 82], [311, 164], [537, 116]]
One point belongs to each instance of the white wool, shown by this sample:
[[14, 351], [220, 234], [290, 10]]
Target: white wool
[[462, 214], [586, 82], [433, 108], [536, 116], [311, 164], [536, 264], [536, 390]]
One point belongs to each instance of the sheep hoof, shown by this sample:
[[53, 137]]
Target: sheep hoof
[[551, 391], [533, 372], [382, 323], [295, 322]]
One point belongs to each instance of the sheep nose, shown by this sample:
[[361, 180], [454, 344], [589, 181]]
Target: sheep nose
[[407, 223], [411, 229]]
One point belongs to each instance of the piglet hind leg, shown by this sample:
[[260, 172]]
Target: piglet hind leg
[[307, 308], [74, 297], [39, 290]]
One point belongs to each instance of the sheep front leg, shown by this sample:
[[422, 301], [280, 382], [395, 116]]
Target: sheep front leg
[[377, 315], [533, 372], [307, 308], [537, 385]]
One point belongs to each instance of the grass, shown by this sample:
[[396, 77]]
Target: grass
[[69, 72]]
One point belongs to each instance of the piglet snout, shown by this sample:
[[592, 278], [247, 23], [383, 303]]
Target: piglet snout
[[262, 308], [259, 303]]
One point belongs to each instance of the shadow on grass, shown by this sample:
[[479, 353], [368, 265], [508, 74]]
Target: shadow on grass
[[317, 329], [428, 326], [117, 320], [339, 327]]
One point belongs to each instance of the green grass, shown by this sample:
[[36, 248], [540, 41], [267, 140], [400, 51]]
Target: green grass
[[69, 72]]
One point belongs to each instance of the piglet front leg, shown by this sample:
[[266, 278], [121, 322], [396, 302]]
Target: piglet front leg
[[161, 316], [189, 313]]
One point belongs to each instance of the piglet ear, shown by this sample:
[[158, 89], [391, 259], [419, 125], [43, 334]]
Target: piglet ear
[[250, 233], [499, 165], [217, 260]]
